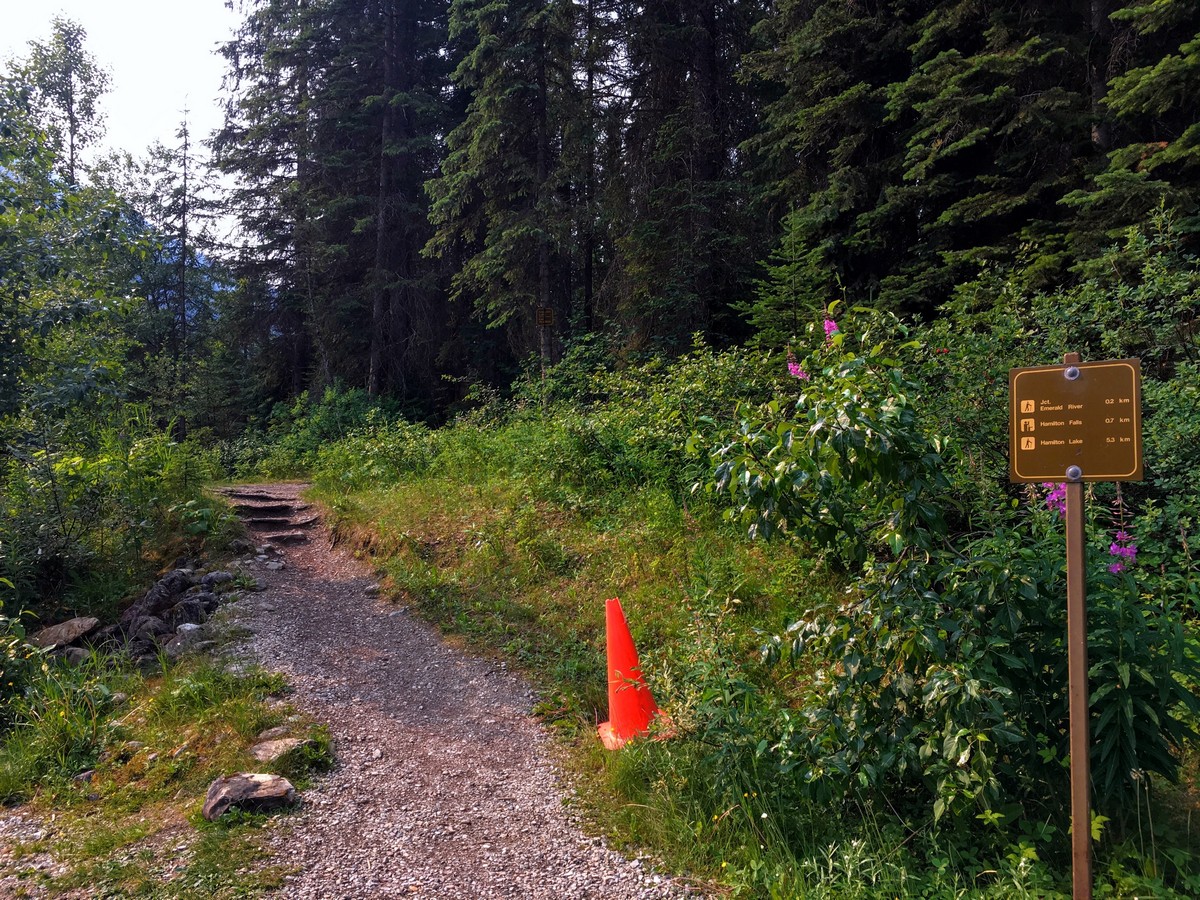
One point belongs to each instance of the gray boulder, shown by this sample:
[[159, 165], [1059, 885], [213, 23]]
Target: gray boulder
[[189, 611], [214, 579]]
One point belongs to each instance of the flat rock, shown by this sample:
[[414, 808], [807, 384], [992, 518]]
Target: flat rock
[[274, 749], [212, 579], [253, 792], [65, 632], [289, 538]]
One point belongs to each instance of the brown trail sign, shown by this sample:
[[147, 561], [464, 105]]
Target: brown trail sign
[[1084, 415], [1073, 423]]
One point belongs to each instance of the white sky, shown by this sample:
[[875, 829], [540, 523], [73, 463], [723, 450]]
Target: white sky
[[160, 54]]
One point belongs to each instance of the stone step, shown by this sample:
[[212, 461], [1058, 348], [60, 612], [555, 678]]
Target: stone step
[[267, 521], [269, 509], [284, 537], [251, 495]]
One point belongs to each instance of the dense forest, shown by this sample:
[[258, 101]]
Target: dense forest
[[415, 180], [712, 303]]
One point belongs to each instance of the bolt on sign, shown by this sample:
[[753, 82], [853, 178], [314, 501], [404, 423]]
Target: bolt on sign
[[1076, 422]]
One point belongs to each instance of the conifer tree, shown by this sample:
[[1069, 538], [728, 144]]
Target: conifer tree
[[686, 228], [266, 145], [498, 201], [1153, 107]]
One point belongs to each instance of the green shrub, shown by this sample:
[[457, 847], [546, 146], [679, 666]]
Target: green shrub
[[297, 432], [939, 682], [81, 511]]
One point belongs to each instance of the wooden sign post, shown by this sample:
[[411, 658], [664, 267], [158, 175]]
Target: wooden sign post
[[1074, 423]]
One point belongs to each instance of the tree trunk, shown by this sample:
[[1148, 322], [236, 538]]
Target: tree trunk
[[1098, 61], [382, 299], [545, 332]]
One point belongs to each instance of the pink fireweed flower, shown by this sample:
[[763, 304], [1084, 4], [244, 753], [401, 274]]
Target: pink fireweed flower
[[1056, 500], [794, 367], [1123, 550], [831, 328]]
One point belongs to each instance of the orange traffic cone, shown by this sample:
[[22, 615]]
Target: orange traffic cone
[[631, 708]]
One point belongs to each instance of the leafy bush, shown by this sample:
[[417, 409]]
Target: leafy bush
[[296, 432], [84, 508], [940, 680], [845, 464], [374, 455]]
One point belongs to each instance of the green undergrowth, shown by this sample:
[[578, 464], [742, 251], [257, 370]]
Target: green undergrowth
[[853, 618], [115, 764], [523, 579], [870, 707]]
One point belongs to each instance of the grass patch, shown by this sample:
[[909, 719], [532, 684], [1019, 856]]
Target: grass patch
[[522, 579], [125, 802]]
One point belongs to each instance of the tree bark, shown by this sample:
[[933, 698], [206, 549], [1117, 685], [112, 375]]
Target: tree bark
[[1098, 63], [382, 299]]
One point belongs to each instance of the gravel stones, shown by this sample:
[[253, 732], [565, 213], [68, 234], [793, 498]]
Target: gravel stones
[[444, 787]]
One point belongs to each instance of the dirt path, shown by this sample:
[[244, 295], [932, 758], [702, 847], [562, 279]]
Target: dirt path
[[444, 787]]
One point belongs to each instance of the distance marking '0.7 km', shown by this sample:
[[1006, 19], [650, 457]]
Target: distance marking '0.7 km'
[[1085, 415]]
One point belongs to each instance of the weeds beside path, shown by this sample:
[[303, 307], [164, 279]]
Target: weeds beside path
[[444, 787]]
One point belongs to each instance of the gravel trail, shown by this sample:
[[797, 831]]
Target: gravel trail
[[444, 785]]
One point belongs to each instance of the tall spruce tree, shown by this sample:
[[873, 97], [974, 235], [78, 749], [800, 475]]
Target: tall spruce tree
[[999, 124], [499, 202], [825, 153], [407, 316], [266, 145], [336, 112], [1151, 115], [685, 231]]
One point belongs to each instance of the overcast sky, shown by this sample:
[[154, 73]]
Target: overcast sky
[[160, 55]]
